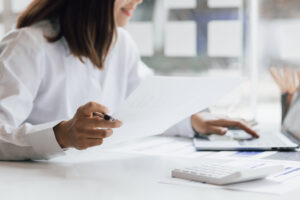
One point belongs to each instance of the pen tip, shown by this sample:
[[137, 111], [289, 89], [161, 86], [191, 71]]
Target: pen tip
[[108, 118]]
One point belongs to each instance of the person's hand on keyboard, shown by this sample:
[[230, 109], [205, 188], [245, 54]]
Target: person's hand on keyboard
[[207, 123]]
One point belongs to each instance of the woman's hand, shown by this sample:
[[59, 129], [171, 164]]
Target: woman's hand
[[208, 123], [85, 130]]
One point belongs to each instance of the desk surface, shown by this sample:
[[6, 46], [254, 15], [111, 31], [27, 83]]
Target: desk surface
[[106, 176], [100, 175]]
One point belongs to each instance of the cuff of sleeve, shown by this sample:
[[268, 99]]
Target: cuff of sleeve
[[43, 141], [183, 129]]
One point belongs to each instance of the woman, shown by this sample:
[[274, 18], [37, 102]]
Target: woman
[[65, 61]]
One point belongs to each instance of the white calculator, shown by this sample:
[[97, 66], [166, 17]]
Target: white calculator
[[222, 174]]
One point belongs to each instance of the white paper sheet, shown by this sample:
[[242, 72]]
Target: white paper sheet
[[161, 102], [162, 146]]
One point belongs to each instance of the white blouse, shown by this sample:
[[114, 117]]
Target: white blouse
[[42, 84]]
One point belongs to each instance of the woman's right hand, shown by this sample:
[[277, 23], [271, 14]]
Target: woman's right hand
[[85, 130]]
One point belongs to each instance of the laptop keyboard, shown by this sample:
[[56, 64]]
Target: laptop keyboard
[[265, 140]]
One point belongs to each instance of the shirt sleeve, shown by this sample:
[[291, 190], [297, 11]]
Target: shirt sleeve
[[182, 129], [185, 129], [20, 77]]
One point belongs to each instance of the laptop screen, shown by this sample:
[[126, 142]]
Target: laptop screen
[[291, 122]]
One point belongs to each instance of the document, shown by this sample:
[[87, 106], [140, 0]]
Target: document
[[161, 102], [161, 146], [242, 155]]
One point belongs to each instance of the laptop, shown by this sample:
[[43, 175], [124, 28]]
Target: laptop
[[270, 140]]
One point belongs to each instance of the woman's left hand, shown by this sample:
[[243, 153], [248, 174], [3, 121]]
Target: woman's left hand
[[208, 123]]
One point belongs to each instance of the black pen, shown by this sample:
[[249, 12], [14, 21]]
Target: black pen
[[104, 116]]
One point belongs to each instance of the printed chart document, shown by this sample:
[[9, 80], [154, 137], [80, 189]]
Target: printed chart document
[[161, 102]]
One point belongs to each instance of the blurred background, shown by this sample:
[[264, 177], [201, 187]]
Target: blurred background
[[210, 38]]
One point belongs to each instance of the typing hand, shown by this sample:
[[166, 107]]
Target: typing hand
[[208, 123], [85, 129]]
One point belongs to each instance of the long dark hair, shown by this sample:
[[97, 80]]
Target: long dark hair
[[87, 25]]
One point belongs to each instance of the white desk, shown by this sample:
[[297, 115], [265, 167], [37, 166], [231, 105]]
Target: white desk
[[106, 176]]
